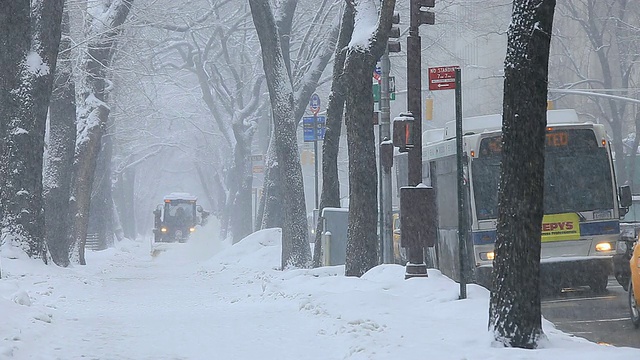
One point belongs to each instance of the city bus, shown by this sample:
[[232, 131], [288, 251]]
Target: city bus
[[582, 208]]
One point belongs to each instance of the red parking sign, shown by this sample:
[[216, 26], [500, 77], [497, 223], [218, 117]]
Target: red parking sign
[[442, 77]]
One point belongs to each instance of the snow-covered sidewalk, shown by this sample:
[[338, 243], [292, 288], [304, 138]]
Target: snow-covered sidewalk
[[209, 300]]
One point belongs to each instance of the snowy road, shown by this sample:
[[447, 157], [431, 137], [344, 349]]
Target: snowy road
[[598, 317]]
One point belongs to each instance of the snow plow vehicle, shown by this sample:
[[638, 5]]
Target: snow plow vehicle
[[177, 218]]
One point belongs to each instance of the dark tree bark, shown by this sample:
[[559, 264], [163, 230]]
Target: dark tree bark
[[29, 38], [514, 313], [100, 210], [362, 238], [58, 163], [295, 245], [284, 21], [330, 195]]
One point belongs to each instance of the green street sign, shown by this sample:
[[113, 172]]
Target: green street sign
[[376, 91]]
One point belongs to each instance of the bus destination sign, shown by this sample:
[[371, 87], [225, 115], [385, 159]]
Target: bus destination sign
[[555, 139]]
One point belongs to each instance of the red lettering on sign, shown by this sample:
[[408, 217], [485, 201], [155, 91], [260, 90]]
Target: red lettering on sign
[[563, 225]]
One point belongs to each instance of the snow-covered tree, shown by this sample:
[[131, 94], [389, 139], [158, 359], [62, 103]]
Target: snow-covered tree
[[295, 246], [307, 51], [103, 23], [60, 149], [330, 195], [29, 38], [596, 46], [368, 42], [514, 312]]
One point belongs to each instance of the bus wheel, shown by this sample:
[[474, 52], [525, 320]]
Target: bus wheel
[[599, 284], [633, 307]]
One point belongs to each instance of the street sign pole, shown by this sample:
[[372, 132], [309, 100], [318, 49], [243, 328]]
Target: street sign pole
[[314, 105], [450, 78], [384, 131], [462, 219], [315, 155]]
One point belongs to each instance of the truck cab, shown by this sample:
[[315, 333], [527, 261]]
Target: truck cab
[[177, 217]]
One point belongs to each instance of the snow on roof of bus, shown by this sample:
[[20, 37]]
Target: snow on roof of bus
[[180, 196], [479, 124]]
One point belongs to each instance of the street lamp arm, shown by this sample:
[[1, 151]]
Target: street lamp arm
[[594, 94]]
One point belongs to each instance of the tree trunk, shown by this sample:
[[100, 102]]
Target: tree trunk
[[29, 39], [59, 160], [84, 165], [295, 245], [241, 218], [100, 211], [93, 113], [330, 195], [514, 313], [270, 212], [362, 238]]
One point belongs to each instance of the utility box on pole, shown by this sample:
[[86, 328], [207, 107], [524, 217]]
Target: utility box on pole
[[418, 216]]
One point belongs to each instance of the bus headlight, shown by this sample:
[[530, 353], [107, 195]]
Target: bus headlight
[[604, 246], [163, 229], [487, 255], [192, 229]]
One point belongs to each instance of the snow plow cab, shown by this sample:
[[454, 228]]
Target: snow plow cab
[[177, 217]]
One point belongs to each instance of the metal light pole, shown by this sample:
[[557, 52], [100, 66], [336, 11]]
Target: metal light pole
[[385, 178], [416, 266]]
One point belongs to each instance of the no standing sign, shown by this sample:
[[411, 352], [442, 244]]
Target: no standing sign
[[442, 77]]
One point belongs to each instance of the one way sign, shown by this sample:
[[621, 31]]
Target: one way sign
[[442, 77]]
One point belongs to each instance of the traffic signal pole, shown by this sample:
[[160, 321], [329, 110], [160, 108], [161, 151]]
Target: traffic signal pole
[[384, 130], [416, 266]]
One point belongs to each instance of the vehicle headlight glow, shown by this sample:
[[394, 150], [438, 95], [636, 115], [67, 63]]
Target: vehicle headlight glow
[[487, 255], [164, 229], [192, 229], [604, 246]]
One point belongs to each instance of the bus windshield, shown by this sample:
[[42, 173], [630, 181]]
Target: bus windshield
[[576, 179]]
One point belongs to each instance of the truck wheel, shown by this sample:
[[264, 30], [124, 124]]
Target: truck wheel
[[633, 307]]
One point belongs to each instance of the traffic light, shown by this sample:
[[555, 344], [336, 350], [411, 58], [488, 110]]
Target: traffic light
[[403, 132], [419, 16], [394, 34]]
